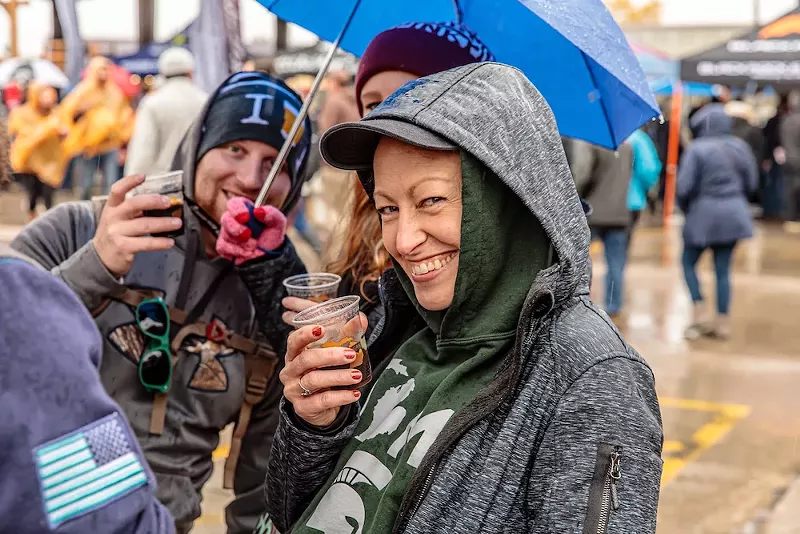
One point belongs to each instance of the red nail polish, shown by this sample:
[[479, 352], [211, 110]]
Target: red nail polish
[[260, 212], [356, 375], [357, 394], [317, 332], [242, 218], [350, 354], [245, 235]]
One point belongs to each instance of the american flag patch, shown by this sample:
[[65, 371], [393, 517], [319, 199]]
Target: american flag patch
[[87, 469]]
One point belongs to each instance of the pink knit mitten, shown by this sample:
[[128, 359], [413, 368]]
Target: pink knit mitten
[[248, 232]]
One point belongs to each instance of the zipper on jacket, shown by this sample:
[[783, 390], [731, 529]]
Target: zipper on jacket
[[610, 499], [422, 492], [603, 495], [425, 488]]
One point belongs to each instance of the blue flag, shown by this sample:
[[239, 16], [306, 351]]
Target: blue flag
[[87, 469]]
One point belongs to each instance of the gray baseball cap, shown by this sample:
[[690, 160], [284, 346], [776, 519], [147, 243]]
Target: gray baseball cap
[[350, 146]]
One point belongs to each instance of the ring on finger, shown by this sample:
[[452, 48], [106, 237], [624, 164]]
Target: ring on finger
[[305, 392]]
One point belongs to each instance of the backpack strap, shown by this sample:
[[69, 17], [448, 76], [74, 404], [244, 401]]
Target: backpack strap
[[260, 365], [259, 368]]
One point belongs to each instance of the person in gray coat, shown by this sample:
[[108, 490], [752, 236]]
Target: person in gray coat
[[506, 401], [164, 116], [602, 177], [715, 177]]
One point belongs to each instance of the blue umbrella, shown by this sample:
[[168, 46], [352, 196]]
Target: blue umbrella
[[572, 50]]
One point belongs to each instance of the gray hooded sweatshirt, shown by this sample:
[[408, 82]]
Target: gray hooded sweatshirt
[[208, 381], [567, 437]]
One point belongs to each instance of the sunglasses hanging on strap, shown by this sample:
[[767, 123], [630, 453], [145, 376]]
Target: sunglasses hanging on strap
[[155, 365], [153, 317]]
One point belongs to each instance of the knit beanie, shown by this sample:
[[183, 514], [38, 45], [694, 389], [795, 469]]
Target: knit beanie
[[420, 48], [258, 107]]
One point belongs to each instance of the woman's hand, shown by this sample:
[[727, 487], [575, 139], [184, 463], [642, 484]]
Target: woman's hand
[[294, 306], [305, 371]]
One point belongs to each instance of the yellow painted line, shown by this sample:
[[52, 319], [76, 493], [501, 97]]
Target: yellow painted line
[[671, 446], [704, 437], [735, 410], [221, 452]]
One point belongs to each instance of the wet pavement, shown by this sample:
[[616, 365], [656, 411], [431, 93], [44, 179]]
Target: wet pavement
[[731, 409]]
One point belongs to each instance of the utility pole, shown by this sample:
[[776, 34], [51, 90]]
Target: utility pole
[[756, 13], [146, 15], [281, 35], [11, 7], [55, 52]]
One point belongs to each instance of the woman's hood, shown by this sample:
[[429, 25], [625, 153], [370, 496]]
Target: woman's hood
[[93, 67], [32, 94], [495, 114], [711, 121]]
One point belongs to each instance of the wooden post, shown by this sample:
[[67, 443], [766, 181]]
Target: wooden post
[[146, 17], [673, 149], [11, 8]]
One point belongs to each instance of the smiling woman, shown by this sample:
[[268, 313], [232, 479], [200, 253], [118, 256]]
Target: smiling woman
[[489, 413], [418, 197]]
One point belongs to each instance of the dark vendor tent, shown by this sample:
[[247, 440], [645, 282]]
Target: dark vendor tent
[[309, 61], [769, 55]]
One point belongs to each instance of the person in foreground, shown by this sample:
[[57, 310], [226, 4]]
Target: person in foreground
[[70, 463], [216, 286], [510, 403]]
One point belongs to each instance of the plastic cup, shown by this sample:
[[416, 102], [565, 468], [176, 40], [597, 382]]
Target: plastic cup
[[169, 184], [316, 287], [342, 328]]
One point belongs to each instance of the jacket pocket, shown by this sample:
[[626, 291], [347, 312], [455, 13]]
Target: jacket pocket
[[603, 498], [178, 494]]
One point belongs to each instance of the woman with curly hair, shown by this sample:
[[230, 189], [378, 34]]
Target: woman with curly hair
[[394, 57]]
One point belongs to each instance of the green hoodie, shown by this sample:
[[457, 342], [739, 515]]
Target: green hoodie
[[440, 369]]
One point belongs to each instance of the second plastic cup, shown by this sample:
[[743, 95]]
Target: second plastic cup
[[342, 328], [316, 287]]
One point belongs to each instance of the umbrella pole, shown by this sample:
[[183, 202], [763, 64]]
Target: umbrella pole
[[301, 116]]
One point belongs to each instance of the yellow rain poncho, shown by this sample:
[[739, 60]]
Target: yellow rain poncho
[[96, 114], [37, 146]]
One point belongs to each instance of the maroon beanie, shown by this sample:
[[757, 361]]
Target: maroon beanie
[[419, 48]]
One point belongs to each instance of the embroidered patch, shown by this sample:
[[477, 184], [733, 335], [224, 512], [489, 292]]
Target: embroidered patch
[[128, 340], [209, 374], [265, 526], [87, 469]]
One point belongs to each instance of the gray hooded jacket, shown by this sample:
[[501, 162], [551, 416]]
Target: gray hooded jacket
[[208, 381], [567, 437]]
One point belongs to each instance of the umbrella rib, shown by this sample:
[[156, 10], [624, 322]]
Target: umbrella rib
[[602, 103], [459, 11]]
